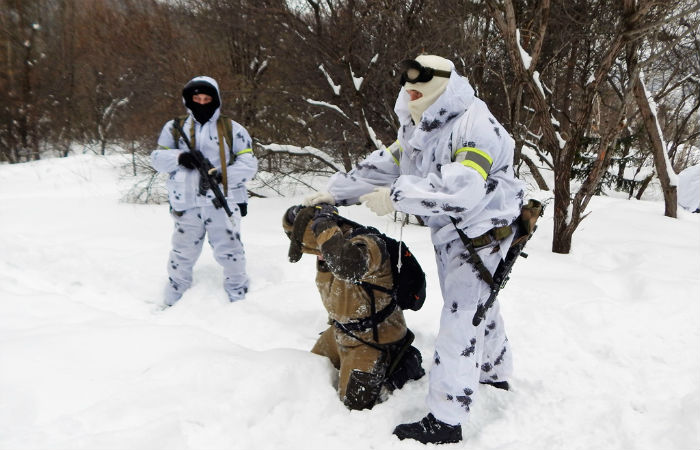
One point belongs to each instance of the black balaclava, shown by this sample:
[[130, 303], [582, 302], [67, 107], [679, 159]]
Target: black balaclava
[[201, 113]]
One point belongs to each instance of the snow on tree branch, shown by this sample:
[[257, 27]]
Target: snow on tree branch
[[262, 67], [305, 151], [335, 87], [372, 135], [536, 79], [108, 114], [357, 81], [327, 105], [527, 60], [562, 142]]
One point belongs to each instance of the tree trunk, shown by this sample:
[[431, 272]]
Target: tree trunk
[[660, 160], [561, 238], [643, 186], [651, 120]]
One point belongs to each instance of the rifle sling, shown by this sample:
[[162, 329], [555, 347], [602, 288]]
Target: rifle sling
[[474, 257], [341, 327], [222, 154], [193, 136], [179, 122]]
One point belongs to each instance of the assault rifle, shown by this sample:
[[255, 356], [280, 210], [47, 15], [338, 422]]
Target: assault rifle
[[523, 232], [204, 166], [500, 278]]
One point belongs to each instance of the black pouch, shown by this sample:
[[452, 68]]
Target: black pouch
[[176, 213]]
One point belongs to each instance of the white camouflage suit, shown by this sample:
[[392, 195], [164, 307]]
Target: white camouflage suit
[[457, 162], [194, 214]]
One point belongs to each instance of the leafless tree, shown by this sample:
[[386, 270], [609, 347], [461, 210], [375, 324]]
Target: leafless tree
[[566, 75], [20, 29], [322, 75]]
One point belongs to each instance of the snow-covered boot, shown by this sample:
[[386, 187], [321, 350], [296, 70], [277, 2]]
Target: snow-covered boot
[[363, 389], [429, 431]]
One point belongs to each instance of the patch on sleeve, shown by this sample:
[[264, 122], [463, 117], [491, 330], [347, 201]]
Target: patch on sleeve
[[475, 158]]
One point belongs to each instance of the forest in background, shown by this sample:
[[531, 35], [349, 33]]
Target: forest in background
[[604, 93]]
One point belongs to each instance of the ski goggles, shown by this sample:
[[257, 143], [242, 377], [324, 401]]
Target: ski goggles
[[414, 72]]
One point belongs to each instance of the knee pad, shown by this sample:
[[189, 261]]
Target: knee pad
[[363, 389]]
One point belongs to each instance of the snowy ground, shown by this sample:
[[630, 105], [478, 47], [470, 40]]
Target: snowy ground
[[606, 340]]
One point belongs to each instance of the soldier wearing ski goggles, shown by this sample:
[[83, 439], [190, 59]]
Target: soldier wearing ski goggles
[[414, 72], [451, 165]]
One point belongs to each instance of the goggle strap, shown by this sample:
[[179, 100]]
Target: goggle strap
[[441, 73]]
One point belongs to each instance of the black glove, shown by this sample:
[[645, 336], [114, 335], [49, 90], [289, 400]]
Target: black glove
[[325, 214], [187, 160], [244, 209]]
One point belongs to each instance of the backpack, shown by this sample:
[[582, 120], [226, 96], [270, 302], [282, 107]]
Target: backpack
[[409, 279]]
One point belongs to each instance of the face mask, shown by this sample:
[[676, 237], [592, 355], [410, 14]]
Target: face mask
[[202, 113], [429, 75], [431, 91]]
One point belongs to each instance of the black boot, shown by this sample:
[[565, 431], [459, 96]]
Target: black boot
[[363, 389], [408, 368], [429, 431], [497, 384]]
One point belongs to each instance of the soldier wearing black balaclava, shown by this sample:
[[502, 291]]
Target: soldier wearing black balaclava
[[190, 199]]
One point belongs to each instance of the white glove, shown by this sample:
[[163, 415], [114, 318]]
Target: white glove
[[379, 201], [318, 197]]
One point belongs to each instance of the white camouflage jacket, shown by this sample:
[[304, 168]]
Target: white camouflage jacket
[[183, 184], [458, 162]]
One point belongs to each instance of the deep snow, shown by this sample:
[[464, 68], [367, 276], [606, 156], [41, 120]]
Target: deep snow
[[606, 340]]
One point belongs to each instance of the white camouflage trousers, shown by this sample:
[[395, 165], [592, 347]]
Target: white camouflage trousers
[[465, 354], [225, 239]]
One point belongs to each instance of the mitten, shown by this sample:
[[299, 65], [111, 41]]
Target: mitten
[[379, 201], [318, 197]]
